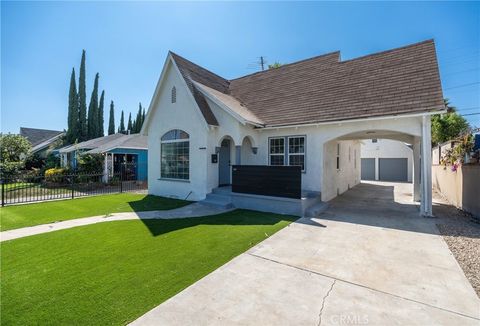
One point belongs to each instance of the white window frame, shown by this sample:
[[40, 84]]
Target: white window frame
[[161, 153], [275, 154], [304, 150], [286, 150]]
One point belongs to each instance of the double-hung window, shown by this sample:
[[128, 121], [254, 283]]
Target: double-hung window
[[288, 150], [175, 155], [277, 151], [296, 151]]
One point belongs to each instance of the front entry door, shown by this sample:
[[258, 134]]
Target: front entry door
[[224, 163]]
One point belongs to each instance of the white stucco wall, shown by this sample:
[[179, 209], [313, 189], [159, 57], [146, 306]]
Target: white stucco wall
[[337, 181], [183, 115], [386, 148]]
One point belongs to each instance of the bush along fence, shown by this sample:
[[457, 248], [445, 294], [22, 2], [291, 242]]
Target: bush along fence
[[56, 184]]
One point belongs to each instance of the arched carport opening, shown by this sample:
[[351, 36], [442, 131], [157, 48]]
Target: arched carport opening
[[342, 162]]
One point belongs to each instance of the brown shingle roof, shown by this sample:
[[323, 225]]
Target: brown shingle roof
[[399, 81]]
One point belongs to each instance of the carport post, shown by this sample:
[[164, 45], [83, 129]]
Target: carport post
[[426, 207], [416, 169]]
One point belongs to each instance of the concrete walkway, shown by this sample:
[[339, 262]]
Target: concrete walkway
[[192, 210], [369, 260]]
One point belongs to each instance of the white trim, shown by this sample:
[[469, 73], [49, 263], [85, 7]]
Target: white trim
[[161, 79], [190, 95], [304, 150], [339, 122], [276, 154], [45, 143], [225, 107], [154, 96]]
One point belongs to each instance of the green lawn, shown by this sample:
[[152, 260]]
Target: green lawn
[[112, 273], [19, 185], [13, 217]]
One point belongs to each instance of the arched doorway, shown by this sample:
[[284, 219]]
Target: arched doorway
[[225, 162]]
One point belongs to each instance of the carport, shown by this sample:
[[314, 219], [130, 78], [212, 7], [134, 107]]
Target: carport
[[412, 129]]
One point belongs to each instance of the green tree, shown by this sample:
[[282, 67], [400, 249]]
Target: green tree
[[121, 128], [143, 117], [137, 125], [111, 120], [72, 120], [13, 152], [92, 111], [100, 122], [130, 125], [448, 126], [275, 65], [82, 102]]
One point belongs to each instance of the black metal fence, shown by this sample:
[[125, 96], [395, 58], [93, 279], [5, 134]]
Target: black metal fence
[[25, 189]]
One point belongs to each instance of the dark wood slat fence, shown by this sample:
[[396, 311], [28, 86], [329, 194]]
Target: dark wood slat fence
[[278, 181]]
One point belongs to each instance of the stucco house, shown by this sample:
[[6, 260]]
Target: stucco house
[[386, 160], [310, 114]]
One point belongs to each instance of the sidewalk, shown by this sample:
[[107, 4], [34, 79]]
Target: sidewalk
[[192, 210]]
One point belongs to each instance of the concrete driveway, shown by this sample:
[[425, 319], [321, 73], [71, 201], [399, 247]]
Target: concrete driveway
[[368, 260]]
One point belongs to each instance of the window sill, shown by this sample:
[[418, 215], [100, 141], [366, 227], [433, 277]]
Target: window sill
[[174, 180]]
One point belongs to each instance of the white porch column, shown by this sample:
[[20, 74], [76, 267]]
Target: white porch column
[[416, 169], [105, 168], [426, 207], [238, 155]]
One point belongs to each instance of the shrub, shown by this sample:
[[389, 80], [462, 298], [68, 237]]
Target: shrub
[[90, 163], [54, 174], [13, 151]]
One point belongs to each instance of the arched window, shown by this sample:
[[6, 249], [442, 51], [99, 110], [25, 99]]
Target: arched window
[[174, 94], [175, 155]]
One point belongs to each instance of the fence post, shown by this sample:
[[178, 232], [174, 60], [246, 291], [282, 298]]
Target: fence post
[[72, 184], [121, 184], [3, 192]]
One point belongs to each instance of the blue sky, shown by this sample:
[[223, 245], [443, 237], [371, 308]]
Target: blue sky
[[127, 44]]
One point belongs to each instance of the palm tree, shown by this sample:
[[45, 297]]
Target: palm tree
[[450, 108]]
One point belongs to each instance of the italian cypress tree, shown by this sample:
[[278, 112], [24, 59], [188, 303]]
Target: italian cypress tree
[[82, 102], [129, 126], [92, 111], [72, 121], [100, 123], [121, 128], [111, 120], [138, 120], [143, 116]]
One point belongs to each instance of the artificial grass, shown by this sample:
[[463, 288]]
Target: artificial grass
[[112, 273], [13, 217]]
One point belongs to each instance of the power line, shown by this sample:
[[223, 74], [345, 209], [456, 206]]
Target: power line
[[464, 115], [459, 86], [460, 72], [468, 109]]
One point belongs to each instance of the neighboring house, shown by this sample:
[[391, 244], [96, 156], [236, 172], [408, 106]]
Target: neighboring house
[[386, 160], [121, 152], [43, 141], [312, 113]]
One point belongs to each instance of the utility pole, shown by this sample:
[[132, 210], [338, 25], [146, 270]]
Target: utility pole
[[262, 63]]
